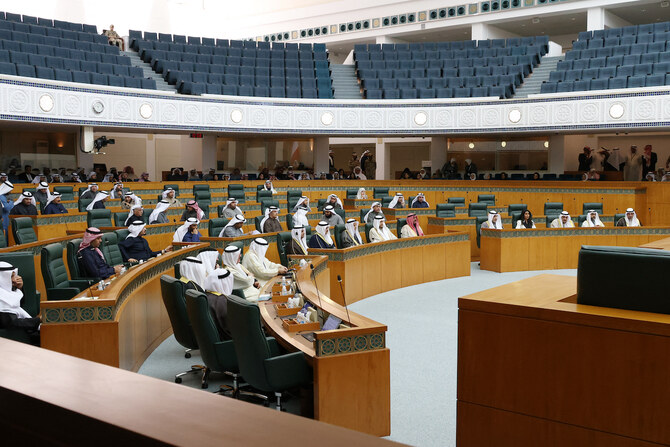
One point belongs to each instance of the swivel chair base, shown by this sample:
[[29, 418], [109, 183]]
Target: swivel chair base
[[194, 369]]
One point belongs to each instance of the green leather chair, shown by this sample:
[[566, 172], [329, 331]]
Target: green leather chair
[[284, 238], [516, 216], [58, 285], [110, 249], [214, 226], [618, 216], [363, 212], [73, 263], [488, 199], [337, 234], [341, 213], [31, 190], [516, 207], [172, 292], [267, 202], [368, 227], [549, 219], [200, 187], [581, 219], [66, 192], [122, 234], [596, 206], [237, 191], [553, 209], [258, 356], [478, 228], [458, 201], [477, 209], [204, 206], [202, 196], [81, 190], [99, 218], [386, 201], [320, 204], [401, 222], [3, 240], [289, 221], [23, 231], [380, 192], [445, 210], [173, 186], [352, 193], [291, 203], [293, 193], [82, 204], [257, 222], [263, 194], [31, 297]]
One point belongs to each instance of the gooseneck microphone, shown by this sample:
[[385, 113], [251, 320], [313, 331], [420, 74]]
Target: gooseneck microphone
[[339, 279], [313, 275]]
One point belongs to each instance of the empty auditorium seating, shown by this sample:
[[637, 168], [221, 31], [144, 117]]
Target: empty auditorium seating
[[629, 57], [459, 69], [218, 66], [64, 51]]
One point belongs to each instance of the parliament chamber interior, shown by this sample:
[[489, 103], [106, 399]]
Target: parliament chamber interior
[[419, 223]]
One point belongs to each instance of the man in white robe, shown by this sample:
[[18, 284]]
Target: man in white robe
[[494, 221], [243, 279], [350, 237], [563, 221], [375, 210], [231, 209], [592, 220], [259, 266], [12, 315], [380, 231], [629, 220]]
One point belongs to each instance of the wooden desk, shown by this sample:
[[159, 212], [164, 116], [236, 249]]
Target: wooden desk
[[351, 366], [124, 325], [370, 269], [222, 242], [554, 248], [536, 369], [660, 244]]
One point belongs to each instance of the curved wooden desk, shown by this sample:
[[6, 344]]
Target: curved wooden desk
[[370, 269], [123, 325], [351, 365], [554, 248]]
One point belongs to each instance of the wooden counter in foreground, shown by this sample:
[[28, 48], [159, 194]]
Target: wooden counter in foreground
[[537, 369]]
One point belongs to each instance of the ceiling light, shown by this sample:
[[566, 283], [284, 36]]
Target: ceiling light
[[535, 20], [546, 144], [665, 4], [471, 145], [503, 143]]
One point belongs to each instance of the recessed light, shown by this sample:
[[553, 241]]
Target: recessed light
[[643, 10], [573, 18]]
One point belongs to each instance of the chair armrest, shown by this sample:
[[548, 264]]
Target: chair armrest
[[274, 346], [62, 293], [89, 280], [287, 371], [226, 355], [239, 292], [81, 284]]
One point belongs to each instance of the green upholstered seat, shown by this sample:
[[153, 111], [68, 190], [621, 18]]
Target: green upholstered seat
[[341, 213], [3, 240], [283, 238], [31, 190], [459, 201], [81, 190], [237, 191], [56, 280], [386, 201], [549, 219], [337, 234], [320, 204], [202, 195], [267, 202], [82, 204], [200, 187], [380, 192], [401, 222], [258, 356], [66, 192], [368, 227], [173, 186], [257, 223], [596, 206], [122, 234], [31, 297], [293, 193], [478, 227], [618, 216], [23, 231], [289, 221], [445, 210], [477, 209], [580, 220], [363, 212], [263, 194], [516, 216], [110, 249], [214, 226], [218, 354], [204, 206], [516, 207], [291, 202], [71, 253], [99, 218], [352, 193], [488, 199], [553, 209]]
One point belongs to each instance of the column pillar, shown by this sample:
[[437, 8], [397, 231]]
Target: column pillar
[[595, 19], [230, 163], [85, 159], [151, 158], [208, 153], [479, 31], [556, 162], [383, 155], [438, 153], [321, 148]]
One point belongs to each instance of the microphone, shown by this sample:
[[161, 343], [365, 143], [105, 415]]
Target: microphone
[[339, 279], [311, 266]]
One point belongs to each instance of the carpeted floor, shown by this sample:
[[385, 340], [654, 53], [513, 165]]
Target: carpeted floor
[[423, 354]]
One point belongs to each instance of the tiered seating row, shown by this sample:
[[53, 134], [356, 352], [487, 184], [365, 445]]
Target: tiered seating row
[[629, 57], [447, 69], [237, 67]]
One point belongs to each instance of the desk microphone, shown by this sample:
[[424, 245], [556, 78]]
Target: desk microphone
[[339, 279], [313, 274]]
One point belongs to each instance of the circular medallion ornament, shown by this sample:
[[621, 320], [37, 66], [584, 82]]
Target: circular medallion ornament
[[350, 119], [146, 111], [281, 118], [467, 118], [46, 103], [396, 119], [420, 118], [236, 116], [589, 112], [514, 116], [617, 110], [327, 118], [72, 105], [373, 120], [122, 109], [18, 100], [98, 107], [563, 113], [169, 113], [192, 113]]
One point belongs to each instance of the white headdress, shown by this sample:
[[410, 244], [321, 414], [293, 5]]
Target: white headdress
[[220, 281], [337, 200], [52, 197], [302, 201], [101, 195], [260, 247], [132, 210], [135, 228], [300, 218], [209, 259], [6, 187], [323, 230], [498, 223], [395, 200], [181, 231], [160, 207], [634, 222], [300, 239], [560, 220], [26, 195], [365, 219], [235, 220], [352, 227], [267, 214], [385, 233], [10, 300], [361, 194], [193, 269], [416, 199], [588, 223]]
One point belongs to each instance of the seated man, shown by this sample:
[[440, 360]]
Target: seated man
[[171, 197], [563, 221], [218, 286], [117, 191], [24, 205], [234, 227], [334, 201], [54, 206], [188, 232], [270, 223], [12, 315], [375, 210], [350, 237], [114, 38], [494, 221], [158, 215], [90, 192], [322, 238], [592, 220], [379, 231], [303, 203], [330, 216], [211, 176], [91, 258], [412, 227], [298, 243], [134, 247], [420, 201], [192, 210], [268, 187], [258, 265], [231, 209], [398, 201], [361, 194], [42, 192], [99, 202], [629, 220], [130, 199], [5, 205], [136, 213], [242, 278], [192, 273]]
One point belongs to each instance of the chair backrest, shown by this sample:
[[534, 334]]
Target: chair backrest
[[66, 192], [549, 219], [459, 201], [516, 207], [202, 195], [293, 193], [99, 218], [83, 203], [488, 199], [71, 250], [218, 354], [478, 228], [120, 219], [172, 291], [263, 193], [516, 215], [337, 233], [386, 201], [581, 219], [214, 226], [81, 190], [618, 216], [237, 191], [257, 223], [26, 265], [445, 210], [477, 209], [401, 222], [291, 203], [121, 235], [266, 202], [380, 192], [289, 221], [23, 231], [363, 212], [200, 187], [53, 267], [368, 227], [173, 186], [251, 346], [596, 206], [553, 209], [110, 249], [283, 238], [352, 193], [320, 204]]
